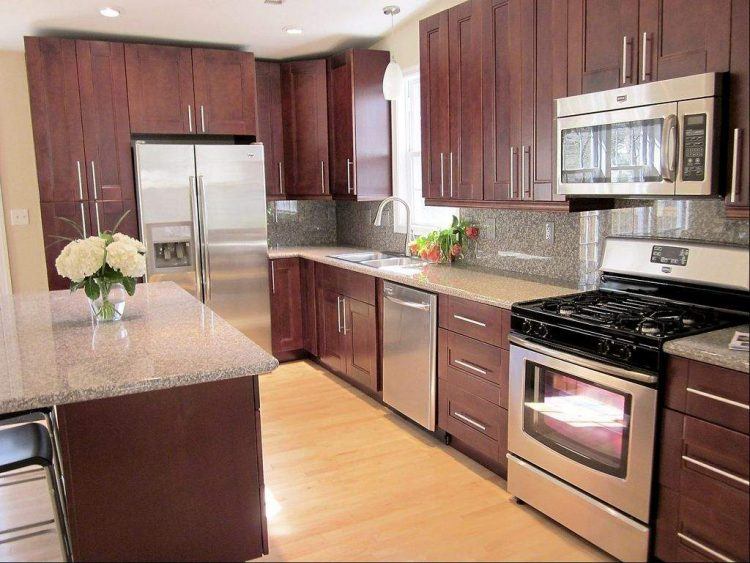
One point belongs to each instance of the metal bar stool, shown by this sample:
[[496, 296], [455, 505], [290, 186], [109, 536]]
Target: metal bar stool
[[28, 445]]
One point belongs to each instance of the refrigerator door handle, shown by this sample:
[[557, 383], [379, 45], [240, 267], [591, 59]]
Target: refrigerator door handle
[[197, 262], [206, 260]]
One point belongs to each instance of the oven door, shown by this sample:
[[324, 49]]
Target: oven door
[[624, 152], [583, 424]]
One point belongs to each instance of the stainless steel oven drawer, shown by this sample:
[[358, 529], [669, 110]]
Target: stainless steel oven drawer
[[597, 522]]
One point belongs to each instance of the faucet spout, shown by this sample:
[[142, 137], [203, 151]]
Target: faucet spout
[[379, 219]]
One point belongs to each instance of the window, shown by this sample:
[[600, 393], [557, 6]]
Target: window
[[408, 163]]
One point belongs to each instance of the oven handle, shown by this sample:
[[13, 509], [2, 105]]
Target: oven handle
[[581, 361], [670, 143]]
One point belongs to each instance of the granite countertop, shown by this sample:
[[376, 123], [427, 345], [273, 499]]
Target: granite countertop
[[501, 289], [53, 353], [712, 348]]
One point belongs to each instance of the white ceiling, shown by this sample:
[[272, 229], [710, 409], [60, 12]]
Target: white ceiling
[[251, 25]]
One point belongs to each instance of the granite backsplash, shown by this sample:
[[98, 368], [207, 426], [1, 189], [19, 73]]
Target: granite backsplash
[[515, 240]]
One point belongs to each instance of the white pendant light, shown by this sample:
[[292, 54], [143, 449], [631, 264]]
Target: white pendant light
[[393, 77]]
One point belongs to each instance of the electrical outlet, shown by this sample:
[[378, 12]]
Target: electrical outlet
[[19, 216], [549, 232]]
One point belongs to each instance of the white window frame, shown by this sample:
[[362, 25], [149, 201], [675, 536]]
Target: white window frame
[[402, 113]]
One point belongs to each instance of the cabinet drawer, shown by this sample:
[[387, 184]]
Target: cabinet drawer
[[709, 392], [693, 450], [690, 529], [346, 282], [479, 423], [477, 320], [474, 366]]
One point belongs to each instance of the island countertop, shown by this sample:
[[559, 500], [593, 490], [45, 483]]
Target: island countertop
[[53, 353]]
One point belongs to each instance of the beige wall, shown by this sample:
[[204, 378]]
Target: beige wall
[[18, 177], [404, 45]]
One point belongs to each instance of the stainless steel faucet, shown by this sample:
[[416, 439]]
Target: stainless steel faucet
[[379, 219]]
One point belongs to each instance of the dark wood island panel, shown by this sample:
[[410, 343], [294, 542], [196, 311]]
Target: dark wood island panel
[[166, 475]]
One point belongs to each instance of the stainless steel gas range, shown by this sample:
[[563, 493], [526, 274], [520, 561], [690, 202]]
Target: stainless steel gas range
[[584, 382]]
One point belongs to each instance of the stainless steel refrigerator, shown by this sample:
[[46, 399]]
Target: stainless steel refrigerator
[[202, 213]]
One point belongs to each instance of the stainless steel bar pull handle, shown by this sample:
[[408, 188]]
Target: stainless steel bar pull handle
[[625, 65], [525, 178], [469, 365], [645, 57], [338, 312], [83, 220], [197, 241], [511, 184], [450, 172], [348, 177], [469, 420], [717, 398], [669, 148], [704, 547], [93, 179], [96, 198], [322, 177], [343, 315], [468, 320], [281, 178], [203, 120], [709, 467], [736, 164], [80, 180], [204, 244], [442, 175], [273, 277], [190, 118]]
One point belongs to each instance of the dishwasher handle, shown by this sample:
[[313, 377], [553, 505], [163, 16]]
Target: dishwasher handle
[[410, 304]]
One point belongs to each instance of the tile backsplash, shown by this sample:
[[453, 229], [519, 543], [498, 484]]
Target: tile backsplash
[[566, 246]]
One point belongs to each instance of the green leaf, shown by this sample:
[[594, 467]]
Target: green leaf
[[117, 224], [91, 288], [129, 284], [73, 224], [74, 286]]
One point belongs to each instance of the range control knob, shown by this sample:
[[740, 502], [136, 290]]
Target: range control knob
[[627, 352], [527, 327], [542, 331], [603, 347]]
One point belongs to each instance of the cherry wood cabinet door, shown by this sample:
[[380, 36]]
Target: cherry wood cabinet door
[[56, 118], [286, 305], [305, 111], [360, 337], [331, 345], [53, 226], [683, 37], [465, 101], [604, 44], [501, 91], [738, 170], [309, 307], [105, 215], [434, 92], [224, 83], [341, 120], [106, 123], [545, 78], [160, 89], [270, 126]]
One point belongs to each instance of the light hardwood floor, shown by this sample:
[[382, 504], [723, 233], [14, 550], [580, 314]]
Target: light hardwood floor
[[349, 480]]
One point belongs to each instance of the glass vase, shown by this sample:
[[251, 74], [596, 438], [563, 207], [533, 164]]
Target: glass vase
[[110, 305]]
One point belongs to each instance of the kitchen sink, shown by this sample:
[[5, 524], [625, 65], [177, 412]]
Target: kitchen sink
[[360, 257], [395, 262]]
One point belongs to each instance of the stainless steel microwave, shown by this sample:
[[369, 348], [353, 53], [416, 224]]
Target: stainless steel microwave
[[658, 139]]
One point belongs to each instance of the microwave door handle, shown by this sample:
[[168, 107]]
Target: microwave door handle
[[670, 148]]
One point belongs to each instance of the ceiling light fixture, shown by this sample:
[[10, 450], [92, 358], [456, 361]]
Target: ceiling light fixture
[[292, 30], [109, 12], [393, 77]]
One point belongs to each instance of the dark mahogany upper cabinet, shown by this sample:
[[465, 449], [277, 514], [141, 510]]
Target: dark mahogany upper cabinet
[[360, 122], [683, 37], [738, 153], [286, 306], [465, 101], [160, 89], [224, 83], [604, 44], [106, 126], [56, 119], [305, 110], [434, 56], [270, 125]]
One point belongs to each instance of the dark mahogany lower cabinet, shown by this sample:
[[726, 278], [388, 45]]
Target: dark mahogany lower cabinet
[[286, 305], [703, 501], [309, 307], [330, 340], [359, 329]]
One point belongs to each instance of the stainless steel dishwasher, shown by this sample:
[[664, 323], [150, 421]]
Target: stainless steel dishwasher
[[410, 352]]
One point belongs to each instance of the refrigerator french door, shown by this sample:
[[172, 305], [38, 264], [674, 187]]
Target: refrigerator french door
[[203, 220]]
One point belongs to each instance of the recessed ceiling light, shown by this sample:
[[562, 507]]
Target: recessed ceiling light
[[109, 12], [292, 30]]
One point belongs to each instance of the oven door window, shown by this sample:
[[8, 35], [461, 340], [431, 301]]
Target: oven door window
[[626, 152], [583, 421]]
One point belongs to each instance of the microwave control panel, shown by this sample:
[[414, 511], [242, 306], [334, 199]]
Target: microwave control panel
[[694, 147]]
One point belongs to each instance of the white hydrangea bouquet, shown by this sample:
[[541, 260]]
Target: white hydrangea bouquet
[[105, 266]]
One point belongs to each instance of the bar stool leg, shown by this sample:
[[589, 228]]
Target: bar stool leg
[[55, 489]]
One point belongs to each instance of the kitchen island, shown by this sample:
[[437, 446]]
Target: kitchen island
[[158, 420]]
